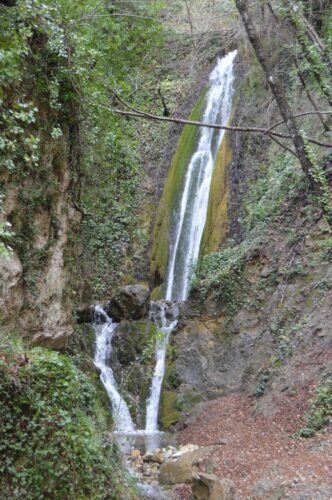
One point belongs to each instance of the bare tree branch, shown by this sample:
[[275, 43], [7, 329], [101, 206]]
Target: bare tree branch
[[283, 146], [136, 113], [150, 116]]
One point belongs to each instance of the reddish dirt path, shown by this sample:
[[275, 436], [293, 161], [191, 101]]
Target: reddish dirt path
[[258, 453]]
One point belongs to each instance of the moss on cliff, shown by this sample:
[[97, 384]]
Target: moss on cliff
[[216, 225], [169, 414], [186, 144]]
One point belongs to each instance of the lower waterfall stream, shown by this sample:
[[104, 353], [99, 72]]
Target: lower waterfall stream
[[185, 240]]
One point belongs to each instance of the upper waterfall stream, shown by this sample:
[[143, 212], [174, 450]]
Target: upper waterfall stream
[[189, 219]]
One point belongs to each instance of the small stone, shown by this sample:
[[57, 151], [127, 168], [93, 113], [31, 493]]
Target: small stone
[[135, 453], [158, 457], [148, 456], [138, 462], [222, 441]]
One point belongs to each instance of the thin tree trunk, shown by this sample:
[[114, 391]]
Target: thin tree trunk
[[279, 94], [190, 23]]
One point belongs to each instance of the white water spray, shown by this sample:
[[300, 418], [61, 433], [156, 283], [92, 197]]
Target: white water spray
[[104, 333], [165, 329]]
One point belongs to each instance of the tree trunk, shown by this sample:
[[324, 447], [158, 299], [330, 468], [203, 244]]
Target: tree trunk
[[279, 94]]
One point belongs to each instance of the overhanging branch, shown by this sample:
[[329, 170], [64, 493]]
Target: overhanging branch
[[135, 113]]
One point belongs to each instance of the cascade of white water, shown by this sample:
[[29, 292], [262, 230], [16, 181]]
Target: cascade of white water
[[189, 220], [165, 328], [191, 217], [104, 333]]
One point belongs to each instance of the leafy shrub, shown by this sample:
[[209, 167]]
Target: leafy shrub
[[262, 383], [320, 415], [49, 447], [275, 181], [222, 273]]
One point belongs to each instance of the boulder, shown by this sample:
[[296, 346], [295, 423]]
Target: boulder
[[181, 470], [210, 487], [129, 302]]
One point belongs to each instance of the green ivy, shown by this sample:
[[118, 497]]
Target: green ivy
[[49, 446], [320, 414]]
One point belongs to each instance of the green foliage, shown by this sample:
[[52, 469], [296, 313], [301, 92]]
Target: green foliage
[[320, 415], [324, 196], [222, 273], [58, 63], [274, 180], [316, 62], [326, 246], [49, 444], [262, 383]]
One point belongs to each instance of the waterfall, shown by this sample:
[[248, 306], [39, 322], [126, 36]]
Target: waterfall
[[104, 333], [188, 222], [189, 219], [165, 328]]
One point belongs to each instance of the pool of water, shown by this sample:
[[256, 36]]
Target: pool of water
[[144, 441]]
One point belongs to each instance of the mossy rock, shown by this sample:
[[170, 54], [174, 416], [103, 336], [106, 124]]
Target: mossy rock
[[157, 293], [82, 341], [169, 415]]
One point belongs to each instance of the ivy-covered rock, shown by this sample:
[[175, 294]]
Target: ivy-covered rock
[[49, 443]]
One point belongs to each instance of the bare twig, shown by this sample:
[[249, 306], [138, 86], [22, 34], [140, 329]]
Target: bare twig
[[298, 116]]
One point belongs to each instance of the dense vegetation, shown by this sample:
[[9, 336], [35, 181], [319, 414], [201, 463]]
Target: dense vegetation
[[58, 64], [51, 446]]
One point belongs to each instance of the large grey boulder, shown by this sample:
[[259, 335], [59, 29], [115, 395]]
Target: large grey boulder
[[181, 470], [129, 302], [210, 487]]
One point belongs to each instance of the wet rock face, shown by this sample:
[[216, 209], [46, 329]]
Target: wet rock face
[[129, 302], [128, 343], [36, 279]]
